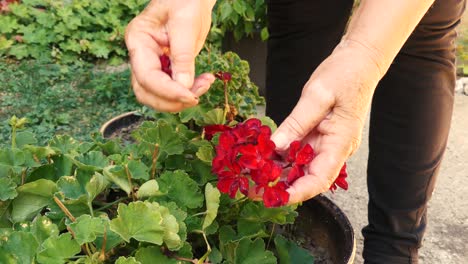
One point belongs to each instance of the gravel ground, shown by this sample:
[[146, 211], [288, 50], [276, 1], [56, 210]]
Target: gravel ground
[[446, 239]]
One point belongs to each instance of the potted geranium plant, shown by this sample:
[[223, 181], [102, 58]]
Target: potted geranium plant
[[168, 197]]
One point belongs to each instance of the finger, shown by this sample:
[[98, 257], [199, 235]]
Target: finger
[[156, 102], [202, 84], [183, 29], [146, 69], [313, 106]]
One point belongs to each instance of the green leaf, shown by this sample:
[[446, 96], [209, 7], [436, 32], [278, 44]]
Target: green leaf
[[206, 153], [7, 189], [65, 144], [258, 213], [118, 175], [87, 228], [264, 34], [112, 240], [192, 113], [130, 260], [226, 10], [95, 186], [57, 250], [239, 6], [152, 255], [212, 203], [148, 189], [91, 161], [268, 122], [43, 228], [139, 220], [25, 138], [4, 216], [250, 229], [100, 49], [201, 172], [291, 253], [70, 187], [138, 170], [63, 165], [12, 157], [249, 252], [32, 197], [214, 117], [22, 246], [19, 51], [46, 171], [180, 188], [167, 139], [76, 207], [171, 229]]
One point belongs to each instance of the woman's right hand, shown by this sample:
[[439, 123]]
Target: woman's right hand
[[181, 27]]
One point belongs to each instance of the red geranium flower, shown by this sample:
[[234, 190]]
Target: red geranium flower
[[341, 180], [211, 130], [299, 157], [276, 195], [232, 179], [254, 156]]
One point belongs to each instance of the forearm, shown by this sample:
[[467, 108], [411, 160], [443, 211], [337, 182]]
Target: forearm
[[382, 26]]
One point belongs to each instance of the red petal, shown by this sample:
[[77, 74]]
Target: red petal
[[266, 146], [276, 196], [165, 64], [305, 155], [295, 173], [249, 162], [244, 185], [253, 123], [342, 183], [224, 185], [211, 130], [293, 149]]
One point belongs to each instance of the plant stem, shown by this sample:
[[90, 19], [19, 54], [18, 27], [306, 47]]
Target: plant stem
[[23, 176], [208, 250], [13, 137], [111, 204], [90, 206], [197, 214], [154, 160], [64, 209], [129, 178], [271, 235], [102, 255], [226, 100]]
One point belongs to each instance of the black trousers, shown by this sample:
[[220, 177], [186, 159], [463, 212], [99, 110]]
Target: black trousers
[[410, 115]]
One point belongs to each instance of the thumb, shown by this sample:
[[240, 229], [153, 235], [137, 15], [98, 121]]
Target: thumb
[[313, 106], [182, 29]]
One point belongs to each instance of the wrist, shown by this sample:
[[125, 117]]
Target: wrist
[[374, 60]]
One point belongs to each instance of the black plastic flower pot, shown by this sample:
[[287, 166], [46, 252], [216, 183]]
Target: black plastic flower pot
[[325, 230], [321, 226]]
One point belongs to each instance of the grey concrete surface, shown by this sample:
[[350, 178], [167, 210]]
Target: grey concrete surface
[[446, 239]]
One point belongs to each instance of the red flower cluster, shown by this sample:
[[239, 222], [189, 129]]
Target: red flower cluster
[[246, 155]]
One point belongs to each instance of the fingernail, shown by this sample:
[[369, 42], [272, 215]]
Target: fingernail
[[201, 90], [185, 79], [281, 140]]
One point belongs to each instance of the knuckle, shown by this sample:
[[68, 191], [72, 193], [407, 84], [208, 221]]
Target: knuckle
[[294, 127], [183, 58]]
